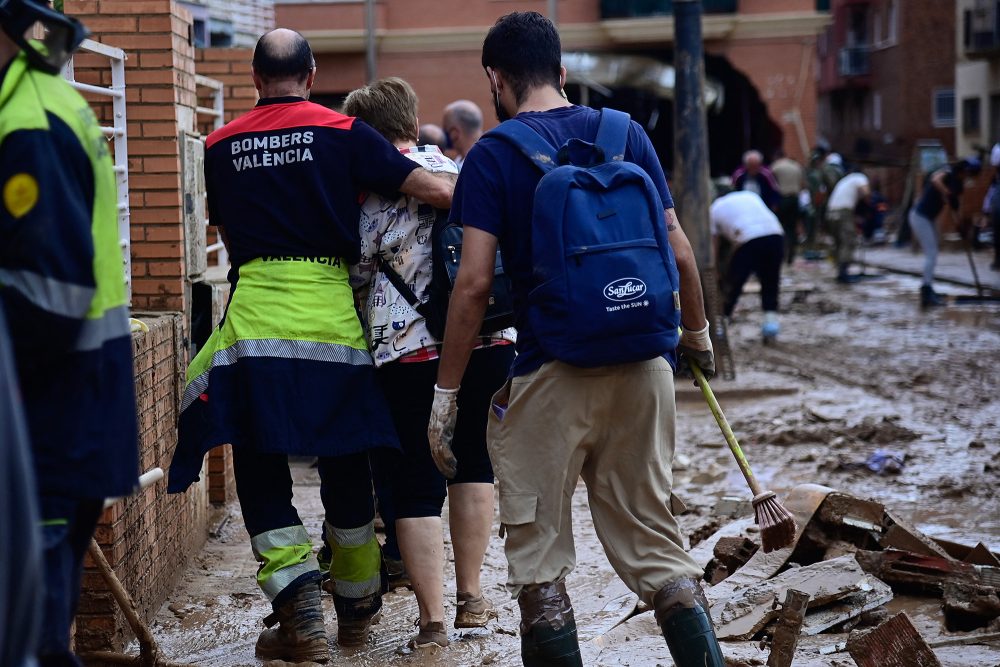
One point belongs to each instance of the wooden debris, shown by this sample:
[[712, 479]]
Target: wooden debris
[[840, 509], [744, 613], [734, 552], [981, 555], [788, 627], [913, 573], [873, 594], [969, 606], [895, 643], [901, 535]]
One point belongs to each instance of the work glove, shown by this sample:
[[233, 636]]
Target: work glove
[[441, 430], [696, 346]]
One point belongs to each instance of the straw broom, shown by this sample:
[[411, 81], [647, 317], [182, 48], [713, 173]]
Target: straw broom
[[777, 525]]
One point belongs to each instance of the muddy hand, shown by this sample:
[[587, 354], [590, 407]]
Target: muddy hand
[[697, 346], [441, 430]]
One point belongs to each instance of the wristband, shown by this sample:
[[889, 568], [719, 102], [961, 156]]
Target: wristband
[[449, 392]]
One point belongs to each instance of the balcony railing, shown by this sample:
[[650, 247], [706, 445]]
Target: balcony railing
[[982, 30], [621, 9], [854, 61]]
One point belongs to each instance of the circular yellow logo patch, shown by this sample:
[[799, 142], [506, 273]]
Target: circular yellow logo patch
[[20, 194]]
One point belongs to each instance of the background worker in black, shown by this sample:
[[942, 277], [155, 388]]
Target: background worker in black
[[288, 370], [64, 296]]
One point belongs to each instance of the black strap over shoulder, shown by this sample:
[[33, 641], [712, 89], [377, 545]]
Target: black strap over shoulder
[[397, 281]]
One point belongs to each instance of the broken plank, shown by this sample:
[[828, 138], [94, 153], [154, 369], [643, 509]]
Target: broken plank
[[750, 609], [901, 535], [802, 501], [840, 509], [788, 628], [981, 638], [910, 572], [981, 555], [873, 593], [895, 643]]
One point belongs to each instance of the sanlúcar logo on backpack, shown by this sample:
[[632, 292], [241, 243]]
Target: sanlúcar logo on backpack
[[624, 289]]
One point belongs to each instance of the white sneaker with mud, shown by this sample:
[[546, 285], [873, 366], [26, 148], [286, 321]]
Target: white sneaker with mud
[[431, 635], [473, 611]]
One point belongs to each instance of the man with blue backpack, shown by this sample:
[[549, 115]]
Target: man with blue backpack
[[601, 274]]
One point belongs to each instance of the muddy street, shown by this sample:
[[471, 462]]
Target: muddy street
[[857, 370]]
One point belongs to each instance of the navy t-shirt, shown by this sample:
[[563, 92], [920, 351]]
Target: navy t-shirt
[[285, 180], [496, 193], [932, 201]]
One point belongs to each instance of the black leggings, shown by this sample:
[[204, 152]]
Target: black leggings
[[417, 488], [264, 487], [762, 256]]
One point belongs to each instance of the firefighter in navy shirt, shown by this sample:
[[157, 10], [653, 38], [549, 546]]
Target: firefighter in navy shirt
[[288, 370]]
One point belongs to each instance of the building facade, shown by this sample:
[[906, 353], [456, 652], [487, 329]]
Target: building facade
[[977, 75], [887, 79], [760, 59], [236, 23]]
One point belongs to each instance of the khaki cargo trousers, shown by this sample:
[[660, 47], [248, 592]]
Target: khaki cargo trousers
[[613, 426]]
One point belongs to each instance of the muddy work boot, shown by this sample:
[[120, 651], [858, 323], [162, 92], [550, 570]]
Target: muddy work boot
[[355, 616], [301, 633], [929, 298], [431, 635], [548, 628], [396, 575], [681, 611], [473, 611]]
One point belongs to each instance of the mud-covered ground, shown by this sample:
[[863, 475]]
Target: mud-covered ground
[[856, 369]]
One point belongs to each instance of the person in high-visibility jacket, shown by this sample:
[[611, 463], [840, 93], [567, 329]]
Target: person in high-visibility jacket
[[288, 370], [64, 295], [20, 568]]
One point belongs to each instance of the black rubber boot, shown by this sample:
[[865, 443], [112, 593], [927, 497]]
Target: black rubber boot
[[681, 610], [548, 628], [355, 616], [929, 298]]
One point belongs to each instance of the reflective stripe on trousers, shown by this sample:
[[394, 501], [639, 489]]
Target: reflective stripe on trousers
[[284, 554], [355, 563]]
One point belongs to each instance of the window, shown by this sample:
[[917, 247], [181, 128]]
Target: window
[[944, 107], [971, 122], [994, 117], [220, 33], [892, 19], [199, 29]]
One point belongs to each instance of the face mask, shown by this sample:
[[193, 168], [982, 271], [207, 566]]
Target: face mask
[[47, 37], [502, 114]]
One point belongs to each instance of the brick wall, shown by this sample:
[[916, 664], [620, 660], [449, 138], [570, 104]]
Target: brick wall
[[232, 68], [147, 538], [160, 96]]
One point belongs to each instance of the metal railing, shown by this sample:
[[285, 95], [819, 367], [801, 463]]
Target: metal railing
[[217, 113], [854, 61], [117, 131]]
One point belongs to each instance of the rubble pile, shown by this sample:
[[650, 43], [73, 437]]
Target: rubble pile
[[848, 582]]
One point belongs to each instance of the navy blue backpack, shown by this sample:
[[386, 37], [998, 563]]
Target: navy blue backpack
[[604, 277]]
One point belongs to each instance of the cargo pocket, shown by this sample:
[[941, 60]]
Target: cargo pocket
[[516, 509]]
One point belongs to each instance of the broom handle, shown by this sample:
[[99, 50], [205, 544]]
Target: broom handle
[[727, 431]]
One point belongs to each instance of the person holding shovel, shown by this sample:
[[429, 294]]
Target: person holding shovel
[[944, 185]]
